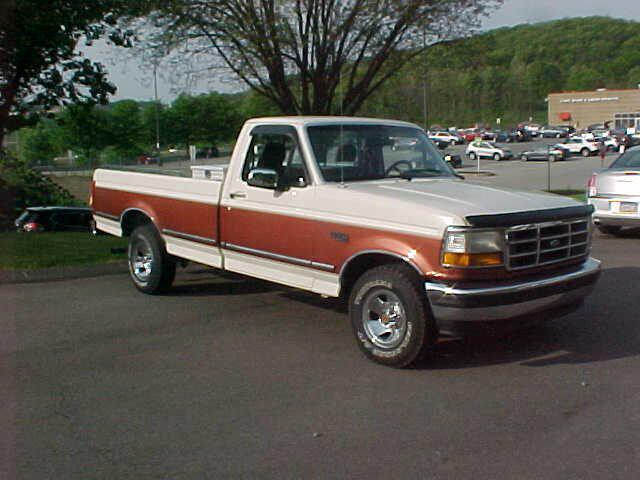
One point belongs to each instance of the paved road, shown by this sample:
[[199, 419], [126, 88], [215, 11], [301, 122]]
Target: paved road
[[234, 378]]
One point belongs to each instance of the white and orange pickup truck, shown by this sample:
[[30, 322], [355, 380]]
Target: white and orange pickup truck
[[365, 209]]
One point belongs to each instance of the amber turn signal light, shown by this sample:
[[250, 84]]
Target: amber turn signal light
[[472, 259]]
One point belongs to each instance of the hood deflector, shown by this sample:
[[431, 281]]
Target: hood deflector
[[526, 218]]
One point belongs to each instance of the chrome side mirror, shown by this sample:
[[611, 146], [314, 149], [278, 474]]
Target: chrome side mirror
[[263, 178]]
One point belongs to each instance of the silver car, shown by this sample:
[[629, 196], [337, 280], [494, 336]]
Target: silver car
[[615, 193]]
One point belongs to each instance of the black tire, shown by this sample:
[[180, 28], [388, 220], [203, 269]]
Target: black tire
[[409, 336], [497, 157], [472, 156], [151, 268], [609, 229], [552, 158], [524, 158], [585, 152]]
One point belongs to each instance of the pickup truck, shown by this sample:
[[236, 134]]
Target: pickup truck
[[328, 205]]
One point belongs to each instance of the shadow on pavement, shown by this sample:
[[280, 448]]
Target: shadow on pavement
[[624, 233], [607, 327]]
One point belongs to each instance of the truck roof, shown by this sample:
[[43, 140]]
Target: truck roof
[[303, 120]]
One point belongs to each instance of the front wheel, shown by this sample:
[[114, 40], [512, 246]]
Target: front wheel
[[472, 156], [585, 152], [390, 317], [151, 268], [497, 157]]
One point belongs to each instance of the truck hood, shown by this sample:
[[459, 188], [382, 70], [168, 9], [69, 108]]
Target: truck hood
[[432, 204]]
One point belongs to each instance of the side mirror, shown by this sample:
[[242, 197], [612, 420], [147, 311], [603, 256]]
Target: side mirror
[[263, 178]]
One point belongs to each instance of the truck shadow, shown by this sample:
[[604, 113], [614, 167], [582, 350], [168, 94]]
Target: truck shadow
[[196, 281], [606, 327]]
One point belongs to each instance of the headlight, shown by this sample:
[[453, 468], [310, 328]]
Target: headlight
[[467, 248]]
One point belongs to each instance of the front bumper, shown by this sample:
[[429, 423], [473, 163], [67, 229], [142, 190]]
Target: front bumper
[[490, 302]]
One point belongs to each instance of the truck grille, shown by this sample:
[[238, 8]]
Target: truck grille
[[547, 243]]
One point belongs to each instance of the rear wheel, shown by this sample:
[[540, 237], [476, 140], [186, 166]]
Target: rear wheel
[[524, 158], [472, 155], [609, 229], [585, 152], [151, 268], [390, 316], [552, 158], [497, 157]]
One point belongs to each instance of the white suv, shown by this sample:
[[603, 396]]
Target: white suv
[[487, 150], [445, 137], [579, 145]]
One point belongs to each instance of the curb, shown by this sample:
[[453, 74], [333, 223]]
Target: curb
[[61, 273]]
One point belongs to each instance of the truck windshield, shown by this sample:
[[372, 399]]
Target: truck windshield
[[347, 153]]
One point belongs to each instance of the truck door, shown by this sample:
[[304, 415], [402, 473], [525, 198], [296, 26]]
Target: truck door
[[263, 229]]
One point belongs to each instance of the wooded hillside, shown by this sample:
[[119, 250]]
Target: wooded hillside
[[508, 72]]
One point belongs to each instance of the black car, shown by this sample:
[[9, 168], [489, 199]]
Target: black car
[[454, 160], [54, 219], [512, 136], [553, 132]]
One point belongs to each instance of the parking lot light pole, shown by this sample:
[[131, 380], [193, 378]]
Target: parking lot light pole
[[155, 95], [548, 168]]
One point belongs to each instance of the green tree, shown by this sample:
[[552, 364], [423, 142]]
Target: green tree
[[125, 130], [41, 143], [39, 62], [84, 129]]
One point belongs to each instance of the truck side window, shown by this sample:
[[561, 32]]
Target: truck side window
[[276, 152]]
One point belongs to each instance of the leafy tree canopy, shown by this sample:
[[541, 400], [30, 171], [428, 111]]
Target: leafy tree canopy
[[39, 62]]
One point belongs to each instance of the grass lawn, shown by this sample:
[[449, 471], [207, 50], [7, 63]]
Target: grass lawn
[[40, 250], [578, 195]]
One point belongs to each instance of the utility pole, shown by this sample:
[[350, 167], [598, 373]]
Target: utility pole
[[157, 106], [424, 79]]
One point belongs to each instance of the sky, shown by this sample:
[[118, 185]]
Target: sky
[[135, 80]]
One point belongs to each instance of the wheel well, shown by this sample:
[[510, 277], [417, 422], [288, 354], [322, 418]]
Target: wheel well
[[360, 264], [132, 219]]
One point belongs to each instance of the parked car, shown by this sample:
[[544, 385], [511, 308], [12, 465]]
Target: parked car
[[148, 159], [546, 154], [615, 193], [447, 137], [612, 143], [533, 129], [398, 144], [327, 207], [489, 135], [54, 219], [512, 136], [579, 145], [488, 150], [454, 160], [553, 132]]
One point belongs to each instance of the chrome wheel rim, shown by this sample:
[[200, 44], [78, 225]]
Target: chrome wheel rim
[[141, 260], [384, 319]]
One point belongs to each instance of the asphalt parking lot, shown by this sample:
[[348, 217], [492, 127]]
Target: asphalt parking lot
[[570, 174], [233, 378]]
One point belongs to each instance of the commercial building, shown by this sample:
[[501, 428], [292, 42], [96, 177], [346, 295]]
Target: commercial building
[[617, 108]]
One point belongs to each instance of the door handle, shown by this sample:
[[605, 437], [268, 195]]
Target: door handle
[[238, 195]]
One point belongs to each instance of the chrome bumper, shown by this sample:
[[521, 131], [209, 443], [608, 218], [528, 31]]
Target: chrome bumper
[[491, 302]]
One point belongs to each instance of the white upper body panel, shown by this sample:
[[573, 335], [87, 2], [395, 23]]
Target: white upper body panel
[[422, 206]]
